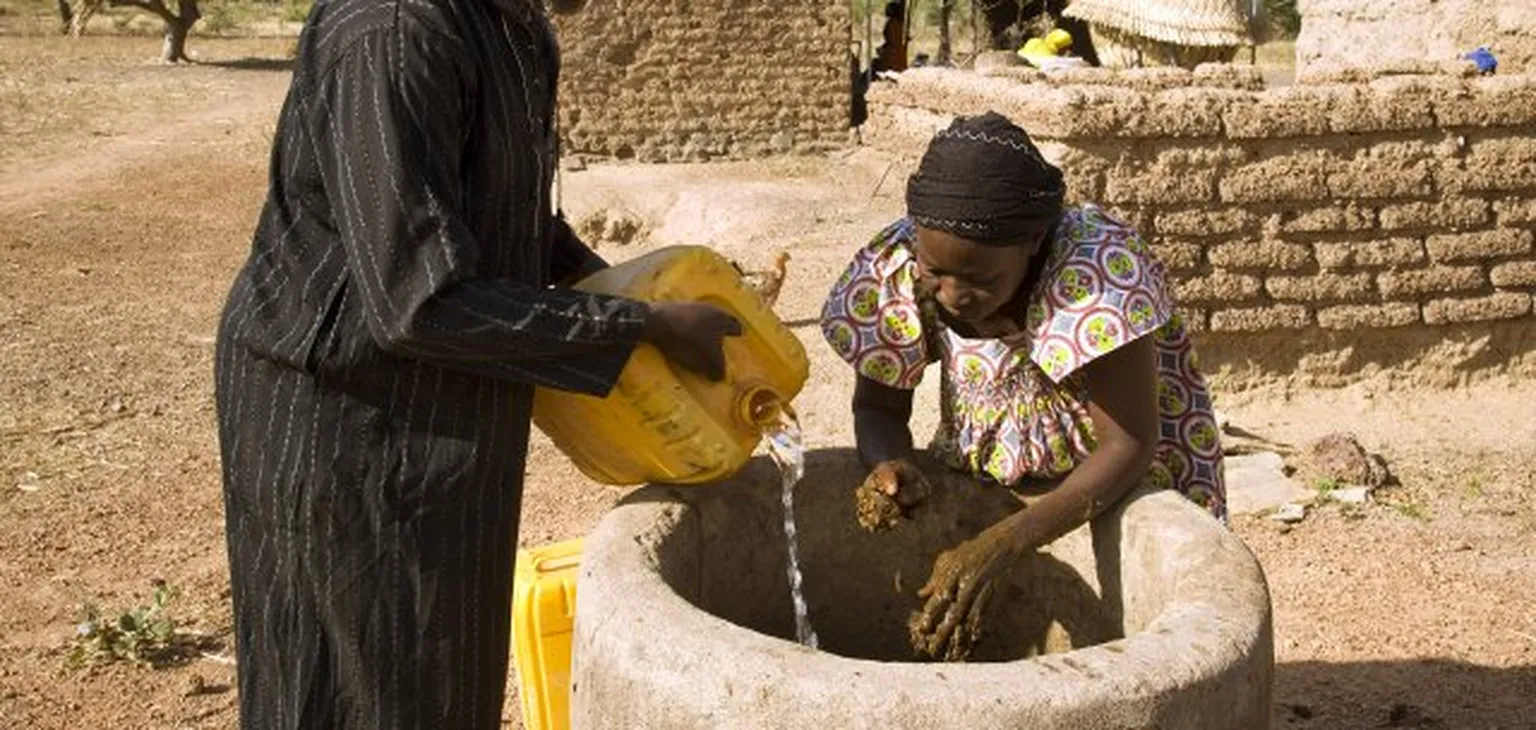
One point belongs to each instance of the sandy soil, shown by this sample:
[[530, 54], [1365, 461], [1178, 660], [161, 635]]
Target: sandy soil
[[127, 198]]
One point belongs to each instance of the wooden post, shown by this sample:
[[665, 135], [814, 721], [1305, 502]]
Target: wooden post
[[869, 33], [906, 26], [975, 38], [946, 8], [1254, 29]]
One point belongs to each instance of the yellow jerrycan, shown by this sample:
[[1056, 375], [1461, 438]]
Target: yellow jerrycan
[[543, 617], [661, 424]]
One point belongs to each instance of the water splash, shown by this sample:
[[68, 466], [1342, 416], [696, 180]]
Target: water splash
[[786, 444]]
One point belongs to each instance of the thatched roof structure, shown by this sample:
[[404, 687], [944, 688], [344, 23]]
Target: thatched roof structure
[[1178, 22]]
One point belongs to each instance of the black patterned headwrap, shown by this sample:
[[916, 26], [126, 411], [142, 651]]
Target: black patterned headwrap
[[982, 179]]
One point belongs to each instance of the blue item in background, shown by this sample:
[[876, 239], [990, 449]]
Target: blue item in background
[[1486, 63]]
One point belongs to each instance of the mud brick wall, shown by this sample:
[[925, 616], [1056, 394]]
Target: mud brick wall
[[1373, 32], [688, 80], [1327, 228]]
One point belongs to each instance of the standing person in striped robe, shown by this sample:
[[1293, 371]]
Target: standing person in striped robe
[[377, 356]]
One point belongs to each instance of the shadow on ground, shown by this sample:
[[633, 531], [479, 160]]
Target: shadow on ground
[[1427, 695]]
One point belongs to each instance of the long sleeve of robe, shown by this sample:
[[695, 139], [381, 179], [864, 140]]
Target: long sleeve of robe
[[388, 121], [376, 362]]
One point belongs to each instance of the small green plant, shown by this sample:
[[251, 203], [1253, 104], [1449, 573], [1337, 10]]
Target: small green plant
[[218, 18], [296, 11], [1326, 487], [1411, 510], [1474, 488], [144, 635]]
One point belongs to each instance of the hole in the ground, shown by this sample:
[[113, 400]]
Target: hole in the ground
[[860, 587]]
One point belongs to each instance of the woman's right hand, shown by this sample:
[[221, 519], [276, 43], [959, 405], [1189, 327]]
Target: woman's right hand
[[692, 336], [890, 491]]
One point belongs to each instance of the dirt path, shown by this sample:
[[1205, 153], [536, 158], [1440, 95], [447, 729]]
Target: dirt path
[[26, 191], [74, 123]]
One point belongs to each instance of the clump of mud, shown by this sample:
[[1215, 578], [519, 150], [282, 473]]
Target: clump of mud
[[611, 228], [961, 648], [1339, 457], [875, 509]]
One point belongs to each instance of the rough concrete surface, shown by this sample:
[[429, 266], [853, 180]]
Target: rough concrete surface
[[1258, 482], [1362, 316], [1361, 32], [1395, 197], [1382, 252], [1350, 217], [683, 605], [1254, 319], [1321, 288], [663, 80]]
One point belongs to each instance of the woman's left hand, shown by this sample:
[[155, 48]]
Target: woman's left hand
[[957, 593]]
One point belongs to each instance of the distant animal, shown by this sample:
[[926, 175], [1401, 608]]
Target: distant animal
[[767, 283]]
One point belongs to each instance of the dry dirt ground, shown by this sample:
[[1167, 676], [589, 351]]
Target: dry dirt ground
[[127, 196]]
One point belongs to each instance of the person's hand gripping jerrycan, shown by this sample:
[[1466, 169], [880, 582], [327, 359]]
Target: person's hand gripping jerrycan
[[661, 424]]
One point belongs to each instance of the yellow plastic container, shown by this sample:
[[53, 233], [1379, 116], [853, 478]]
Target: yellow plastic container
[[661, 424], [543, 613]]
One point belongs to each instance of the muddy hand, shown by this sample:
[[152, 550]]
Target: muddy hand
[[956, 596], [902, 481], [890, 491]]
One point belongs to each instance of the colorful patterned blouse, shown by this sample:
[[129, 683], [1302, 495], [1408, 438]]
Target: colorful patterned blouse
[[1015, 409]]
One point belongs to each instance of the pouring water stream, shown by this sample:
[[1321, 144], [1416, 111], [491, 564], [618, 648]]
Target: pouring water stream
[[786, 444]]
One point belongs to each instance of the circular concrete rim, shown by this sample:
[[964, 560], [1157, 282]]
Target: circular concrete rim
[[1215, 632]]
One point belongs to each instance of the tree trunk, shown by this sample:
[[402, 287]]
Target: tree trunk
[[177, 25], [175, 47], [946, 7], [79, 17], [66, 16], [869, 33], [975, 33], [176, 30]]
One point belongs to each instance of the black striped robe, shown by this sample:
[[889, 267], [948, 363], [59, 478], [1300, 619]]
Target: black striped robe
[[376, 358]]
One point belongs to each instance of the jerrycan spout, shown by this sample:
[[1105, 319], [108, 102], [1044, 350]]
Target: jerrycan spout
[[763, 408]]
